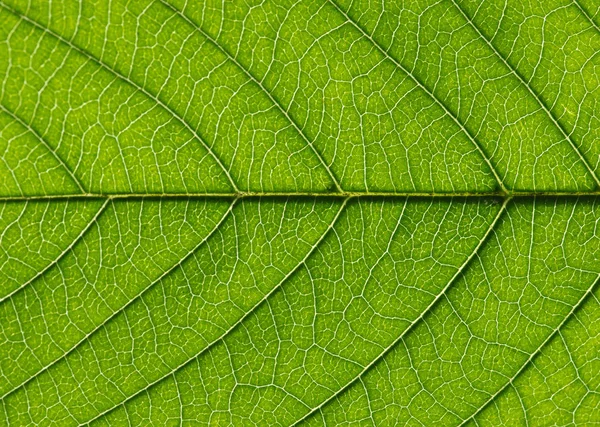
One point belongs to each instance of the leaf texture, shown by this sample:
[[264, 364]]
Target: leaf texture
[[315, 212]]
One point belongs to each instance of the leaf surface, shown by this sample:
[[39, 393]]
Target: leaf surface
[[316, 212]]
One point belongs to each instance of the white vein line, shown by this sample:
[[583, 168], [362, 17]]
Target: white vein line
[[427, 91], [459, 271], [536, 352], [62, 254], [125, 79], [260, 85], [46, 145], [585, 13], [234, 325], [131, 301], [550, 115]]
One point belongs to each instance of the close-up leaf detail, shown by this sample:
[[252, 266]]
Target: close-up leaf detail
[[300, 212]]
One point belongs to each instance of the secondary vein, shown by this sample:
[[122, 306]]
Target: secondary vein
[[47, 146], [131, 301], [536, 352], [421, 86], [62, 254], [432, 304], [234, 325], [130, 82], [533, 93], [253, 78]]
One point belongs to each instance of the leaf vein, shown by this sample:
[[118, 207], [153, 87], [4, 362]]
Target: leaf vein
[[533, 93], [53, 152], [429, 93], [400, 337], [586, 14], [532, 356], [286, 195], [233, 326], [256, 81], [131, 301], [132, 83], [61, 255]]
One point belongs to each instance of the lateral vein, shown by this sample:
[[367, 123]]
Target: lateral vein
[[62, 254], [421, 86], [131, 301], [127, 80], [234, 325], [533, 93], [432, 304]]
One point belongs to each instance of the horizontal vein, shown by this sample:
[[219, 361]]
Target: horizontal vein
[[537, 351], [46, 145], [127, 80], [131, 301], [62, 254], [286, 195], [459, 271], [234, 325], [263, 89], [533, 93], [427, 91]]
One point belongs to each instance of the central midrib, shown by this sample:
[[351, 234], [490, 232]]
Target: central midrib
[[287, 195]]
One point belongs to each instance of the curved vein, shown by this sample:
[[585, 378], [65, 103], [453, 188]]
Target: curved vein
[[132, 83], [250, 76], [61, 255], [586, 14], [442, 293], [131, 301], [47, 146], [537, 351], [234, 325], [421, 86], [533, 93]]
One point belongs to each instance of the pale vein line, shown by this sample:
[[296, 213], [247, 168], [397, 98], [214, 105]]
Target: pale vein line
[[585, 13], [427, 91], [533, 93], [536, 352], [131, 301], [285, 195], [46, 145], [262, 87], [127, 80], [234, 325], [459, 271], [61, 255]]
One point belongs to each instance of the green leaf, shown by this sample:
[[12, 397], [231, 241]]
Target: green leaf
[[316, 212]]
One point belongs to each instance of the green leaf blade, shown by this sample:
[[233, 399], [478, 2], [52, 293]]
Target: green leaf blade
[[316, 212], [461, 356], [117, 257], [35, 235]]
